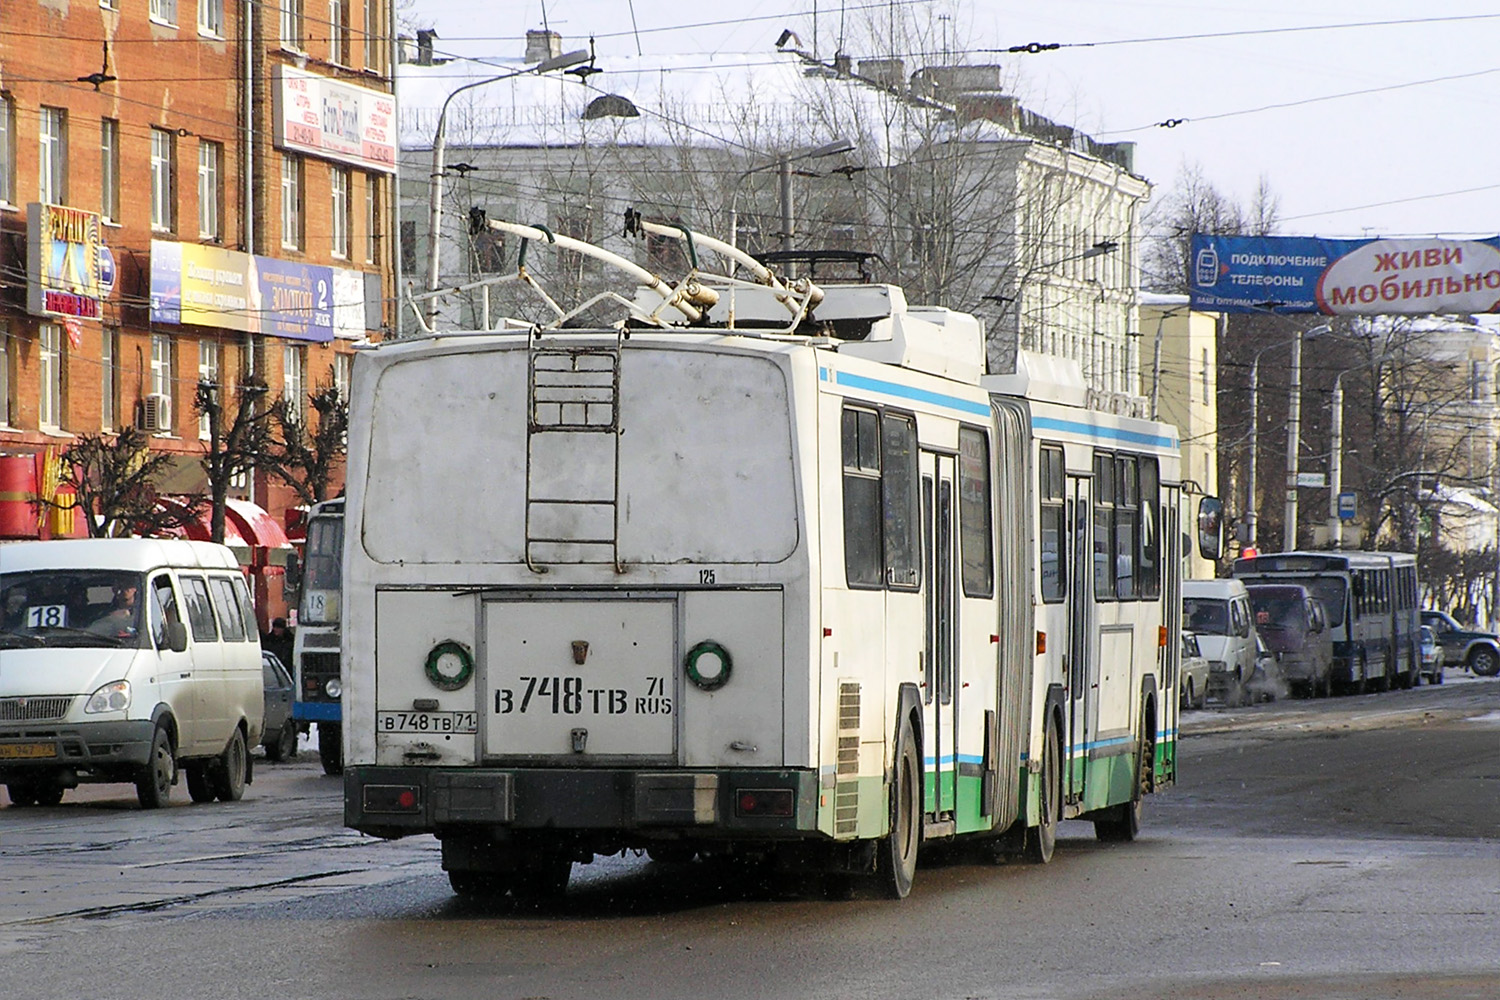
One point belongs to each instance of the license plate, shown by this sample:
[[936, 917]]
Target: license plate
[[441, 723], [27, 751]]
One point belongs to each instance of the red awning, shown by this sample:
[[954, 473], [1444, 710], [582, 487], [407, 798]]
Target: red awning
[[254, 525], [200, 529]]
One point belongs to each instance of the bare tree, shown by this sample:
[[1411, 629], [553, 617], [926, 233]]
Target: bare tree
[[239, 439], [1195, 205], [308, 457]]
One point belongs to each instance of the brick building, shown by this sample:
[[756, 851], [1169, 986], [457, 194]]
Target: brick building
[[146, 244]]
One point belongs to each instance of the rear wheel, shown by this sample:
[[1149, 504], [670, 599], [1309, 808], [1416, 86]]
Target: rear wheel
[[228, 773], [1484, 662], [331, 747], [1123, 822], [284, 747], [897, 854], [1437, 674], [153, 784], [200, 789], [1041, 841]]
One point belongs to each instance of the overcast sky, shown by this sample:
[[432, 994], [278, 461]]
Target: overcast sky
[[1389, 161]]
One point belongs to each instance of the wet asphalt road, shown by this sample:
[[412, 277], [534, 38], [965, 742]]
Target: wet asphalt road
[[1321, 849]]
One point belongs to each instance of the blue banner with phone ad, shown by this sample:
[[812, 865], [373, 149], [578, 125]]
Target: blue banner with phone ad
[[1309, 274]]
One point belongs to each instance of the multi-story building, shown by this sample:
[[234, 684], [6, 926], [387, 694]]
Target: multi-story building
[[190, 191]]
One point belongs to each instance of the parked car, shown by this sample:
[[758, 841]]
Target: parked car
[[1477, 650], [1295, 627], [1193, 687], [280, 738], [1218, 613], [1431, 655]]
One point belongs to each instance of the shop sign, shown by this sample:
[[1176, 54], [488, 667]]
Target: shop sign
[[197, 285], [63, 267], [328, 118]]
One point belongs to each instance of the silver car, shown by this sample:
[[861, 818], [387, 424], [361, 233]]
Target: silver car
[[1193, 688]]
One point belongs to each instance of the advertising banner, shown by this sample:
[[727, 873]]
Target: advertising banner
[[63, 251], [198, 285], [329, 118], [1306, 274]]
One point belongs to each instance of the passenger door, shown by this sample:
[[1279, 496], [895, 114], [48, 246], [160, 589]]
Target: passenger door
[[939, 698], [174, 671], [1083, 661], [211, 725]]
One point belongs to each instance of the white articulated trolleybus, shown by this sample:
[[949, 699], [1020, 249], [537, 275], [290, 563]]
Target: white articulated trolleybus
[[767, 571]]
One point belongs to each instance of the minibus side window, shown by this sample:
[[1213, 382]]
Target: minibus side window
[[247, 607], [163, 609], [200, 609], [230, 622]]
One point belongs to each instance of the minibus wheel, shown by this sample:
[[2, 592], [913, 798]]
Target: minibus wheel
[[153, 784], [228, 772]]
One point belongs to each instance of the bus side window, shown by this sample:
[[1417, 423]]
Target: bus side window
[[863, 558], [898, 478], [976, 537], [1054, 526]]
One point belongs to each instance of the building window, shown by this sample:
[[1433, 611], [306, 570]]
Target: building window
[[211, 18], [338, 31], [52, 159], [49, 402], [293, 366], [343, 365], [291, 201], [372, 218], [109, 170], [161, 375], [209, 156], [372, 35], [291, 24], [208, 371], [338, 186], [164, 12], [162, 201], [408, 245], [109, 377], [7, 151], [4, 375]]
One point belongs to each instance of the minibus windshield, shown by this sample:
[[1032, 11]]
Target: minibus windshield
[[71, 607]]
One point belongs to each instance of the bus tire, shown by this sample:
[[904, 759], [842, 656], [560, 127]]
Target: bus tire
[[1122, 823], [896, 857], [331, 747], [1041, 840]]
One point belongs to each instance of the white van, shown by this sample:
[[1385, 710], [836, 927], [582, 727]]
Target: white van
[[1218, 612], [125, 659]]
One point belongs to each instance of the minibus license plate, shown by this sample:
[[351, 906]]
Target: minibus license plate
[[27, 751], [425, 722]]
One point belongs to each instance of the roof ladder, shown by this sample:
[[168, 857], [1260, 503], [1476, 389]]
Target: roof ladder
[[573, 452]]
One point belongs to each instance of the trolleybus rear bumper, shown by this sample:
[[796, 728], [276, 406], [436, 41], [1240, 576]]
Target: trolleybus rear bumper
[[399, 801]]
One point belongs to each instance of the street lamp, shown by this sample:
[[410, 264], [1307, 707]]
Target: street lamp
[[783, 164], [1252, 516], [439, 141], [1336, 450], [1099, 249]]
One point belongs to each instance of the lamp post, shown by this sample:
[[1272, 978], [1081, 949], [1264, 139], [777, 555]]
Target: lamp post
[[783, 164], [1099, 249], [1252, 516], [1294, 433], [1336, 451], [439, 141]]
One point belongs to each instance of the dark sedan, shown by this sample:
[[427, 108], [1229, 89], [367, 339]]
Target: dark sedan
[[280, 734]]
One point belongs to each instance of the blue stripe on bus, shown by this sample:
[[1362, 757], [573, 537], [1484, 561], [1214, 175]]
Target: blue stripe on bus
[[904, 392], [1108, 433]]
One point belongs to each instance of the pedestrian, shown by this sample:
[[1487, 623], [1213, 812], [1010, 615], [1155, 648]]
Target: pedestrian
[[278, 641]]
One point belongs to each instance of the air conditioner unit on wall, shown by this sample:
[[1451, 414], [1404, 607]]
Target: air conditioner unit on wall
[[155, 413]]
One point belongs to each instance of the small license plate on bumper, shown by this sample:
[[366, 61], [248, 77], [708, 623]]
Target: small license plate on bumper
[[27, 751], [439, 723]]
